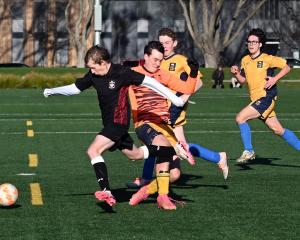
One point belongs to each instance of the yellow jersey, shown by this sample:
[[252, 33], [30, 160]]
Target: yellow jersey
[[256, 71], [177, 64]]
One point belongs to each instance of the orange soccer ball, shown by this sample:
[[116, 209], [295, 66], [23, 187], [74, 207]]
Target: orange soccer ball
[[8, 194]]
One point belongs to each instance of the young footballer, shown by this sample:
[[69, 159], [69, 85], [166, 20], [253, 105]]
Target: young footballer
[[177, 64], [255, 70], [152, 118], [152, 121], [111, 82]]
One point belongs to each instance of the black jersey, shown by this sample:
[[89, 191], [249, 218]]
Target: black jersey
[[112, 91]]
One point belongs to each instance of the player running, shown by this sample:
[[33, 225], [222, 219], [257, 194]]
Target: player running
[[256, 71], [111, 82]]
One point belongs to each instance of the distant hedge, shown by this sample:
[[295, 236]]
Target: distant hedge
[[51, 77]]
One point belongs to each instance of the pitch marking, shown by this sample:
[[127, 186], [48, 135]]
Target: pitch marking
[[36, 194], [33, 160]]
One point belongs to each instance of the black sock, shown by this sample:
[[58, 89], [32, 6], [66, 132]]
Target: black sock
[[102, 175], [160, 151]]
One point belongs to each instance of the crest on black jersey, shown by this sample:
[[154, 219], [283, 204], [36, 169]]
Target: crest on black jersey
[[260, 64], [111, 85], [172, 66]]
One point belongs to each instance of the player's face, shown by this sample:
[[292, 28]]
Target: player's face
[[168, 44], [98, 69], [153, 61], [253, 45]]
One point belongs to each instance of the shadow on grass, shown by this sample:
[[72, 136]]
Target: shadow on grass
[[105, 207], [11, 207], [184, 182], [263, 161], [124, 194]]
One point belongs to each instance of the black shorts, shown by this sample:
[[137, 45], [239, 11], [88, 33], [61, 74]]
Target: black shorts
[[146, 134], [120, 136], [175, 164]]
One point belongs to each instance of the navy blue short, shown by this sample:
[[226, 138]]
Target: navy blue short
[[146, 134], [265, 106]]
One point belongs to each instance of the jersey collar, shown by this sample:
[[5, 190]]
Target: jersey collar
[[166, 58], [256, 56]]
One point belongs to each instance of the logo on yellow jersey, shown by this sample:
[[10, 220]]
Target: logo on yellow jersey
[[260, 64], [172, 66]]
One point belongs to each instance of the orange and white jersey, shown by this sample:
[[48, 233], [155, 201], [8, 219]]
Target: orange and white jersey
[[149, 106]]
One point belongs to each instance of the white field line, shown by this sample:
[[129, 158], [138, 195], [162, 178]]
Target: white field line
[[190, 120], [99, 115], [131, 132]]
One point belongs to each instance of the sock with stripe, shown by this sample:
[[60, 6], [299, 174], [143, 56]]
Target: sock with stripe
[[163, 181], [101, 172]]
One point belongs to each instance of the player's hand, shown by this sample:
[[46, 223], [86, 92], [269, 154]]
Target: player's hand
[[194, 66], [271, 81], [235, 70], [47, 92]]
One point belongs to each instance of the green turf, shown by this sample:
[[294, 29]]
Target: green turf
[[259, 200]]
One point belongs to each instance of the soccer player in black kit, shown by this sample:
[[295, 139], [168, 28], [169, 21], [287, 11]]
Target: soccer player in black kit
[[111, 82]]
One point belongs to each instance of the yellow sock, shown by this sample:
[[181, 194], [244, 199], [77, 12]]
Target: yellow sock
[[163, 180], [152, 187]]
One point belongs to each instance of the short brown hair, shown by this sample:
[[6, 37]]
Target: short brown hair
[[167, 32], [97, 54], [153, 45]]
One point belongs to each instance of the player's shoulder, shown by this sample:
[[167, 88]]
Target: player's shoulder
[[180, 57], [246, 58], [138, 69], [176, 57]]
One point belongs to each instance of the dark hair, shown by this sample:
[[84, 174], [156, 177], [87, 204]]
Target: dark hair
[[97, 54], [258, 33], [153, 45], [167, 32]]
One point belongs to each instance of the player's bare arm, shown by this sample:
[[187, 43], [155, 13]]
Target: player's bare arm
[[235, 70]]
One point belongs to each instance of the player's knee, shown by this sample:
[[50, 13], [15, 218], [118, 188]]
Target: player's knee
[[90, 152], [239, 119], [135, 154], [174, 175], [278, 131]]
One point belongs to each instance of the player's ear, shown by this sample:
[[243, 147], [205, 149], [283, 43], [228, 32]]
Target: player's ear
[[260, 45], [175, 43], [145, 56]]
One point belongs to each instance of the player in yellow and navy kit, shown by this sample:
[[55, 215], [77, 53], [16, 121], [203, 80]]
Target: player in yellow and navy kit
[[256, 71]]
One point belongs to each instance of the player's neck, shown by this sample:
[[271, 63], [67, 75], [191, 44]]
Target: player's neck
[[255, 54], [170, 55]]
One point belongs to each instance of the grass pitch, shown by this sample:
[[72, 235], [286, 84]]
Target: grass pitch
[[259, 200]]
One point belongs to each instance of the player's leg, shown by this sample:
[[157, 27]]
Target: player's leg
[[220, 158], [247, 113], [155, 138], [178, 130], [97, 147], [175, 169], [288, 135], [146, 134]]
